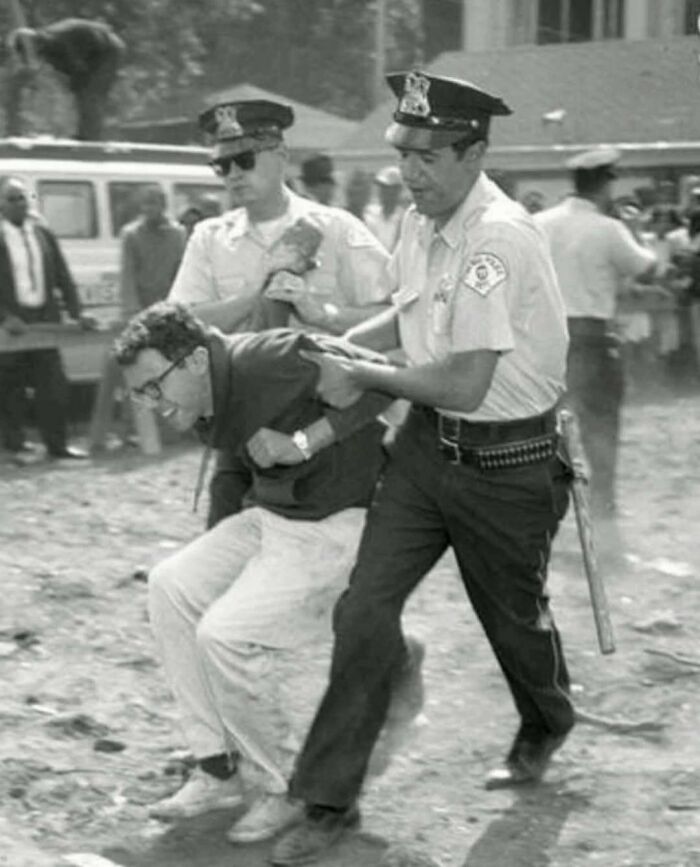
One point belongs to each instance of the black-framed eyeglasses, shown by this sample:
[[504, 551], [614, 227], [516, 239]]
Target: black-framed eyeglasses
[[151, 391], [245, 161]]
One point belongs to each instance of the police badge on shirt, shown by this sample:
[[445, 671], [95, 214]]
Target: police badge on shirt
[[484, 273]]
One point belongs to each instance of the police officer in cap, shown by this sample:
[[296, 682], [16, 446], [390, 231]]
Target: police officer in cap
[[226, 271], [593, 255], [478, 312], [229, 259]]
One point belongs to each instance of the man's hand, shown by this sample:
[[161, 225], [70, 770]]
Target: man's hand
[[14, 325], [336, 385], [292, 289], [269, 447]]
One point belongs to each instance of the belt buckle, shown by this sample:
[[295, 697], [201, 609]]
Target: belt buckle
[[453, 449], [448, 445]]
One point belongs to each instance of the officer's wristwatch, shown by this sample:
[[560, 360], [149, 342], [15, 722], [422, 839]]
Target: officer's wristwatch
[[301, 441]]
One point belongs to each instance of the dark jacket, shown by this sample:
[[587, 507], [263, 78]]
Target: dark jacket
[[261, 380], [57, 278], [77, 47]]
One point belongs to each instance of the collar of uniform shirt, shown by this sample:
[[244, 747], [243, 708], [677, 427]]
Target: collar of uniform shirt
[[453, 230], [238, 224]]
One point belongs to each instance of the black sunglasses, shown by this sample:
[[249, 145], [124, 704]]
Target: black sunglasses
[[245, 161]]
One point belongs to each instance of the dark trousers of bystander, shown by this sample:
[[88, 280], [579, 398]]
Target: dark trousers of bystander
[[595, 384], [500, 524], [42, 371]]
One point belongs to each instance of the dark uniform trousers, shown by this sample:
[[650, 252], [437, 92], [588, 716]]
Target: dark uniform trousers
[[500, 524], [595, 383], [41, 370]]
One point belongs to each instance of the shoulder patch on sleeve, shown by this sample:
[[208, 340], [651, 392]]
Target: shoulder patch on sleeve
[[484, 272]]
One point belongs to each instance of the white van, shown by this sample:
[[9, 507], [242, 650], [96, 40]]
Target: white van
[[86, 192]]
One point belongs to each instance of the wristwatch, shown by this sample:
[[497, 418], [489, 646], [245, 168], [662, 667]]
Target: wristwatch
[[301, 441]]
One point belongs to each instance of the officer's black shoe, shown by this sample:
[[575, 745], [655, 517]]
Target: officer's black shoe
[[320, 829], [526, 762]]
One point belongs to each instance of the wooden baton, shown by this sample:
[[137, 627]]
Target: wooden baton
[[573, 448]]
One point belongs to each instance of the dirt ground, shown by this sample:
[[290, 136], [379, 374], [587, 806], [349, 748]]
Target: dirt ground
[[87, 737]]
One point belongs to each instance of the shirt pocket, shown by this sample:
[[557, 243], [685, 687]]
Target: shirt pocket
[[440, 312]]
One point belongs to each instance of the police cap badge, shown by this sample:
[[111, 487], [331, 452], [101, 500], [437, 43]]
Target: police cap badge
[[245, 124], [434, 112]]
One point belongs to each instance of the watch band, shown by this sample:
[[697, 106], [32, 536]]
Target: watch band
[[301, 441]]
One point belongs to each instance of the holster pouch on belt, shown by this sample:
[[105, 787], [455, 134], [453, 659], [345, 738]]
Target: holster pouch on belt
[[506, 456], [534, 451]]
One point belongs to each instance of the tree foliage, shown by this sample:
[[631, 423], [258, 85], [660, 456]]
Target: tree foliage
[[316, 51]]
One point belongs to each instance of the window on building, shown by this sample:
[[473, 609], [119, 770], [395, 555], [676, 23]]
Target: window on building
[[692, 12], [613, 19], [69, 208], [579, 20], [442, 26], [125, 201], [549, 22]]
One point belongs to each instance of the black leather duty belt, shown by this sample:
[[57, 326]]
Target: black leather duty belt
[[495, 445]]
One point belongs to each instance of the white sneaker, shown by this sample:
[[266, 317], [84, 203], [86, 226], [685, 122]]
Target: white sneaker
[[200, 794], [268, 815]]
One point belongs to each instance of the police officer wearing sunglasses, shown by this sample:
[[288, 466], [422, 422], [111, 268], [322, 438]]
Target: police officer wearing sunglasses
[[229, 258]]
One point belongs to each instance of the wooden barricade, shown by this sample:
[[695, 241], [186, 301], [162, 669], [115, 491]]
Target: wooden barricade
[[50, 335]]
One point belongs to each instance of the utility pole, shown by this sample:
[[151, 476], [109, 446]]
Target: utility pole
[[379, 50]]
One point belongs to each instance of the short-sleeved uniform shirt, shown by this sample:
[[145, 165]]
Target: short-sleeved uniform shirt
[[226, 257], [485, 280], [592, 254]]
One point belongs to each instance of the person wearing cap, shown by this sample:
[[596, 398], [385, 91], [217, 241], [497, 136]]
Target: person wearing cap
[[384, 217], [479, 314], [227, 261], [318, 178], [594, 254]]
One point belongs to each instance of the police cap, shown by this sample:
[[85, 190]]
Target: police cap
[[434, 112], [601, 159], [246, 124]]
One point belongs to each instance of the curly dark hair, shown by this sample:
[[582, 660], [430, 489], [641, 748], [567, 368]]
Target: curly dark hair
[[171, 329]]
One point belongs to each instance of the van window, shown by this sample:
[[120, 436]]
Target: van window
[[188, 195], [69, 208], [124, 201]]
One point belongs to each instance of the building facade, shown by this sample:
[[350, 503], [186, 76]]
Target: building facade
[[493, 24]]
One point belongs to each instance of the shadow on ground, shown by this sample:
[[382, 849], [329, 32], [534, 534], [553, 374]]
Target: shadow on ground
[[201, 842], [526, 833]]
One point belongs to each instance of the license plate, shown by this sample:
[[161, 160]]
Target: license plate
[[99, 294]]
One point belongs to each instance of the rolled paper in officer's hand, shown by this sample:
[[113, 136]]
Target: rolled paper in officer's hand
[[296, 249], [295, 253]]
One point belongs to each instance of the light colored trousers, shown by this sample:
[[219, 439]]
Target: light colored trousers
[[225, 612]]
